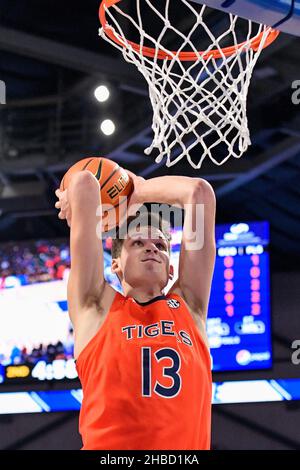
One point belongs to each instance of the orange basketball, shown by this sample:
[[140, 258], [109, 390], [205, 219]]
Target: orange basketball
[[114, 181]]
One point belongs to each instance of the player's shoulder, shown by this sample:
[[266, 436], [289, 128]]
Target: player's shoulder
[[176, 290], [176, 293], [176, 296], [91, 319], [174, 300]]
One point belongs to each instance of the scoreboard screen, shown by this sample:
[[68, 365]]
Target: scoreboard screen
[[36, 336], [238, 323]]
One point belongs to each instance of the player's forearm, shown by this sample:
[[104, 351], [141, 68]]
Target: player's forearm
[[84, 198], [173, 190]]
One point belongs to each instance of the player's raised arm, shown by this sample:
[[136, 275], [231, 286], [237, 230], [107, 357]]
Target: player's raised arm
[[198, 249], [86, 280], [197, 254]]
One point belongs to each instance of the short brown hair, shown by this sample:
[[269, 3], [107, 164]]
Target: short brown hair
[[150, 219]]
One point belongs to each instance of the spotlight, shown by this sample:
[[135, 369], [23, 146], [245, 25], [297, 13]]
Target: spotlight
[[107, 127], [101, 93]]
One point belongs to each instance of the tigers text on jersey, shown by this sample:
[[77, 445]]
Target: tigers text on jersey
[[146, 379]]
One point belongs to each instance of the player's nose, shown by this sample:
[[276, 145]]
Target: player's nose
[[150, 246]]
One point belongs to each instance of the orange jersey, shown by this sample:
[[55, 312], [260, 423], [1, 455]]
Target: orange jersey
[[146, 379]]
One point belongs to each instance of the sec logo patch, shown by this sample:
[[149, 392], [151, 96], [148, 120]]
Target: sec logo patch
[[173, 303]]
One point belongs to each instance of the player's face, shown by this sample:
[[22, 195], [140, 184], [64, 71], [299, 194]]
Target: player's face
[[145, 258]]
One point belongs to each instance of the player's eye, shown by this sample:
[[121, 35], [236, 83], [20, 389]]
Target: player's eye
[[138, 243], [161, 246]]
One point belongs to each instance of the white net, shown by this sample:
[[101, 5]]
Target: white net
[[199, 98]]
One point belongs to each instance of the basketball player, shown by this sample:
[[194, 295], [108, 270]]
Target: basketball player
[[142, 356]]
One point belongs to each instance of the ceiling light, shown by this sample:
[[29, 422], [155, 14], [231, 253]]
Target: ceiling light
[[101, 93], [107, 127]]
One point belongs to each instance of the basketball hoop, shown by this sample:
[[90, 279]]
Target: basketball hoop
[[199, 97]]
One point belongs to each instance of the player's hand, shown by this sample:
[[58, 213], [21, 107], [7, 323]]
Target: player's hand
[[64, 206], [135, 200]]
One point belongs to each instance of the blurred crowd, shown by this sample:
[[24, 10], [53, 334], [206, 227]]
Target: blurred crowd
[[47, 353], [30, 262]]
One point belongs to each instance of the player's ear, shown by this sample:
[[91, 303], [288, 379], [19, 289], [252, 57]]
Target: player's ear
[[115, 265], [171, 271]]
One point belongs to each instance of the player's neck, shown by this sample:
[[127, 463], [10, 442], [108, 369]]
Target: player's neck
[[143, 294]]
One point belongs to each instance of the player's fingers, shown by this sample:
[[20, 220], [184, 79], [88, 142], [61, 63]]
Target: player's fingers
[[58, 204], [64, 208]]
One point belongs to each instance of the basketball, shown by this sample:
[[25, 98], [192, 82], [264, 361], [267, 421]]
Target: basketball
[[114, 182]]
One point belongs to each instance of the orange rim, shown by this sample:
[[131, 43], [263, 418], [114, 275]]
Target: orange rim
[[183, 56]]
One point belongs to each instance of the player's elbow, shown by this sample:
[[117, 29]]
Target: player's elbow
[[83, 179], [202, 191], [84, 190]]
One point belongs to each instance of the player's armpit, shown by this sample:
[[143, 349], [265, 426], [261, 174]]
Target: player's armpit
[[198, 249]]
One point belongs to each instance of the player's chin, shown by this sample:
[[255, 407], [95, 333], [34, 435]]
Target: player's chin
[[153, 267], [156, 276], [153, 270]]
